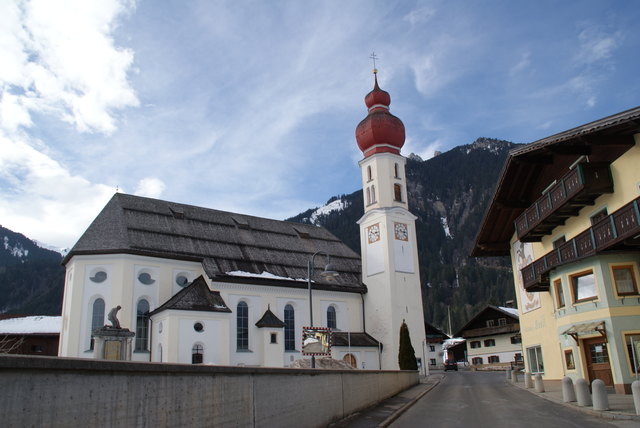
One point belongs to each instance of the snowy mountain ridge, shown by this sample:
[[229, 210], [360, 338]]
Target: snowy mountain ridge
[[338, 204]]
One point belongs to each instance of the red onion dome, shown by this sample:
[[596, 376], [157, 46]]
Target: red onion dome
[[380, 131]]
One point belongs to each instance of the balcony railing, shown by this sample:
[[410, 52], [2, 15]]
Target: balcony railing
[[608, 233], [488, 331], [578, 188]]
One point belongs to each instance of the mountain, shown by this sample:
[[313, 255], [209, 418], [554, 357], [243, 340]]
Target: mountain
[[31, 277], [449, 194]]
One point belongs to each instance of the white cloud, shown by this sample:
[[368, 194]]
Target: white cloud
[[151, 187], [426, 75], [41, 199], [59, 58], [425, 150], [419, 16], [596, 44], [546, 125], [523, 63]]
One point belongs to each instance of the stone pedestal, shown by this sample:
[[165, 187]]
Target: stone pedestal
[[112, 343]]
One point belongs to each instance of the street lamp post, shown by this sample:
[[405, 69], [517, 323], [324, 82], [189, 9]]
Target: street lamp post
[[329, 274]]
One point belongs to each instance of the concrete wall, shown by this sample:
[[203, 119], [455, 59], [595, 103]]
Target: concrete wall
[[63, 392]]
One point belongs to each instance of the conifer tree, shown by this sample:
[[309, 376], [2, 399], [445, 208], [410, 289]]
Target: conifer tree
[[406, 354]]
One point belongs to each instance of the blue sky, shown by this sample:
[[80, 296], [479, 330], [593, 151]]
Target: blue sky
[[251, 106]]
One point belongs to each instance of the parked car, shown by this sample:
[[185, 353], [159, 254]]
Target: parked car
[[450, 365]]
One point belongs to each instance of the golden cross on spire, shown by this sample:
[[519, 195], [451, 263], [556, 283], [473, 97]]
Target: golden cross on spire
[[374, 58]]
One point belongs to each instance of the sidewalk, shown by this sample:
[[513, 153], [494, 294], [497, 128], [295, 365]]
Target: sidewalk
[[384, 413], [621, 406]]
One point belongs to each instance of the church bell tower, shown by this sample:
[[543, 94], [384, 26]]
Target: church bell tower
[[387, 232]]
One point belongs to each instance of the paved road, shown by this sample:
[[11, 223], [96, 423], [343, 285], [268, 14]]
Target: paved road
[[484, 399]]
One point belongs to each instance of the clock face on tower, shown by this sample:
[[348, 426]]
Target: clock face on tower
[[401, 231], [373, 233]]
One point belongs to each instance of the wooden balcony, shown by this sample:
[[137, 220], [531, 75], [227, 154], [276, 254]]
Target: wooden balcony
[[489, 331], [618, 231], [578, 188]]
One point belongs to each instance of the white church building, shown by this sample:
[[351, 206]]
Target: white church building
[[198, 285]]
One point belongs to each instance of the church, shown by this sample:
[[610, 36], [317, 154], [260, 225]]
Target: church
[[198, 285]]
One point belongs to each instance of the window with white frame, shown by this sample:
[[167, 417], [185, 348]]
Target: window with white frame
[[534, 355]]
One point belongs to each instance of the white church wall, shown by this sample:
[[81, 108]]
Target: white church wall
[[214, 332], [120, 287], [253, 355]]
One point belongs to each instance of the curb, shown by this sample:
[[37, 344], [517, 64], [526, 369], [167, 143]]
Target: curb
[[406, 406], [602, 414]]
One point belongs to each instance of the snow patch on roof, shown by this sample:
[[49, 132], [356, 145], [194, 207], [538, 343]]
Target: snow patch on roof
[[512, 311], [450, 343], [31, 325], [264, 274]]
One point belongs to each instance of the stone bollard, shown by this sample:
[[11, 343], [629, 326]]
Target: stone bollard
[[528, 382], [600, 397], [635, 390], [537, 380], [582, 393], [514, 376], [568, 394], [508, 372]]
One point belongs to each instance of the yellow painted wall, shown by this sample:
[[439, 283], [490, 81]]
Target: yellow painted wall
[[541, 327]]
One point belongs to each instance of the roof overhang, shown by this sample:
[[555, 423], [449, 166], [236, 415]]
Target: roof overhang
[[588, 328], [529, 170]]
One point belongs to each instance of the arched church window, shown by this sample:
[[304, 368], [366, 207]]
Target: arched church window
[[369, 173], [142, 326], [368, 196], [197, 353], [397, 192], [396, 172], [289, 329], [242, 326], [331, 317], [97, 318]]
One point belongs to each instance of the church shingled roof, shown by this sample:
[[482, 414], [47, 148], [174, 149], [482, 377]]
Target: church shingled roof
[[223, 242], [343, 338], [195, 297], [269, 319]]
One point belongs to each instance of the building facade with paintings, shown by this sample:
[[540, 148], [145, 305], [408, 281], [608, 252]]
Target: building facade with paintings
[[198, 285], [493, 338], [566, 209]]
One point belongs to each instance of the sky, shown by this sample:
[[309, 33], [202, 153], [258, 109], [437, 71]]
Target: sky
[[251, 106]]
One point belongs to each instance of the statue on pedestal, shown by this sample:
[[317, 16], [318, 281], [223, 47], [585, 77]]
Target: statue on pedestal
[[112, 317]]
